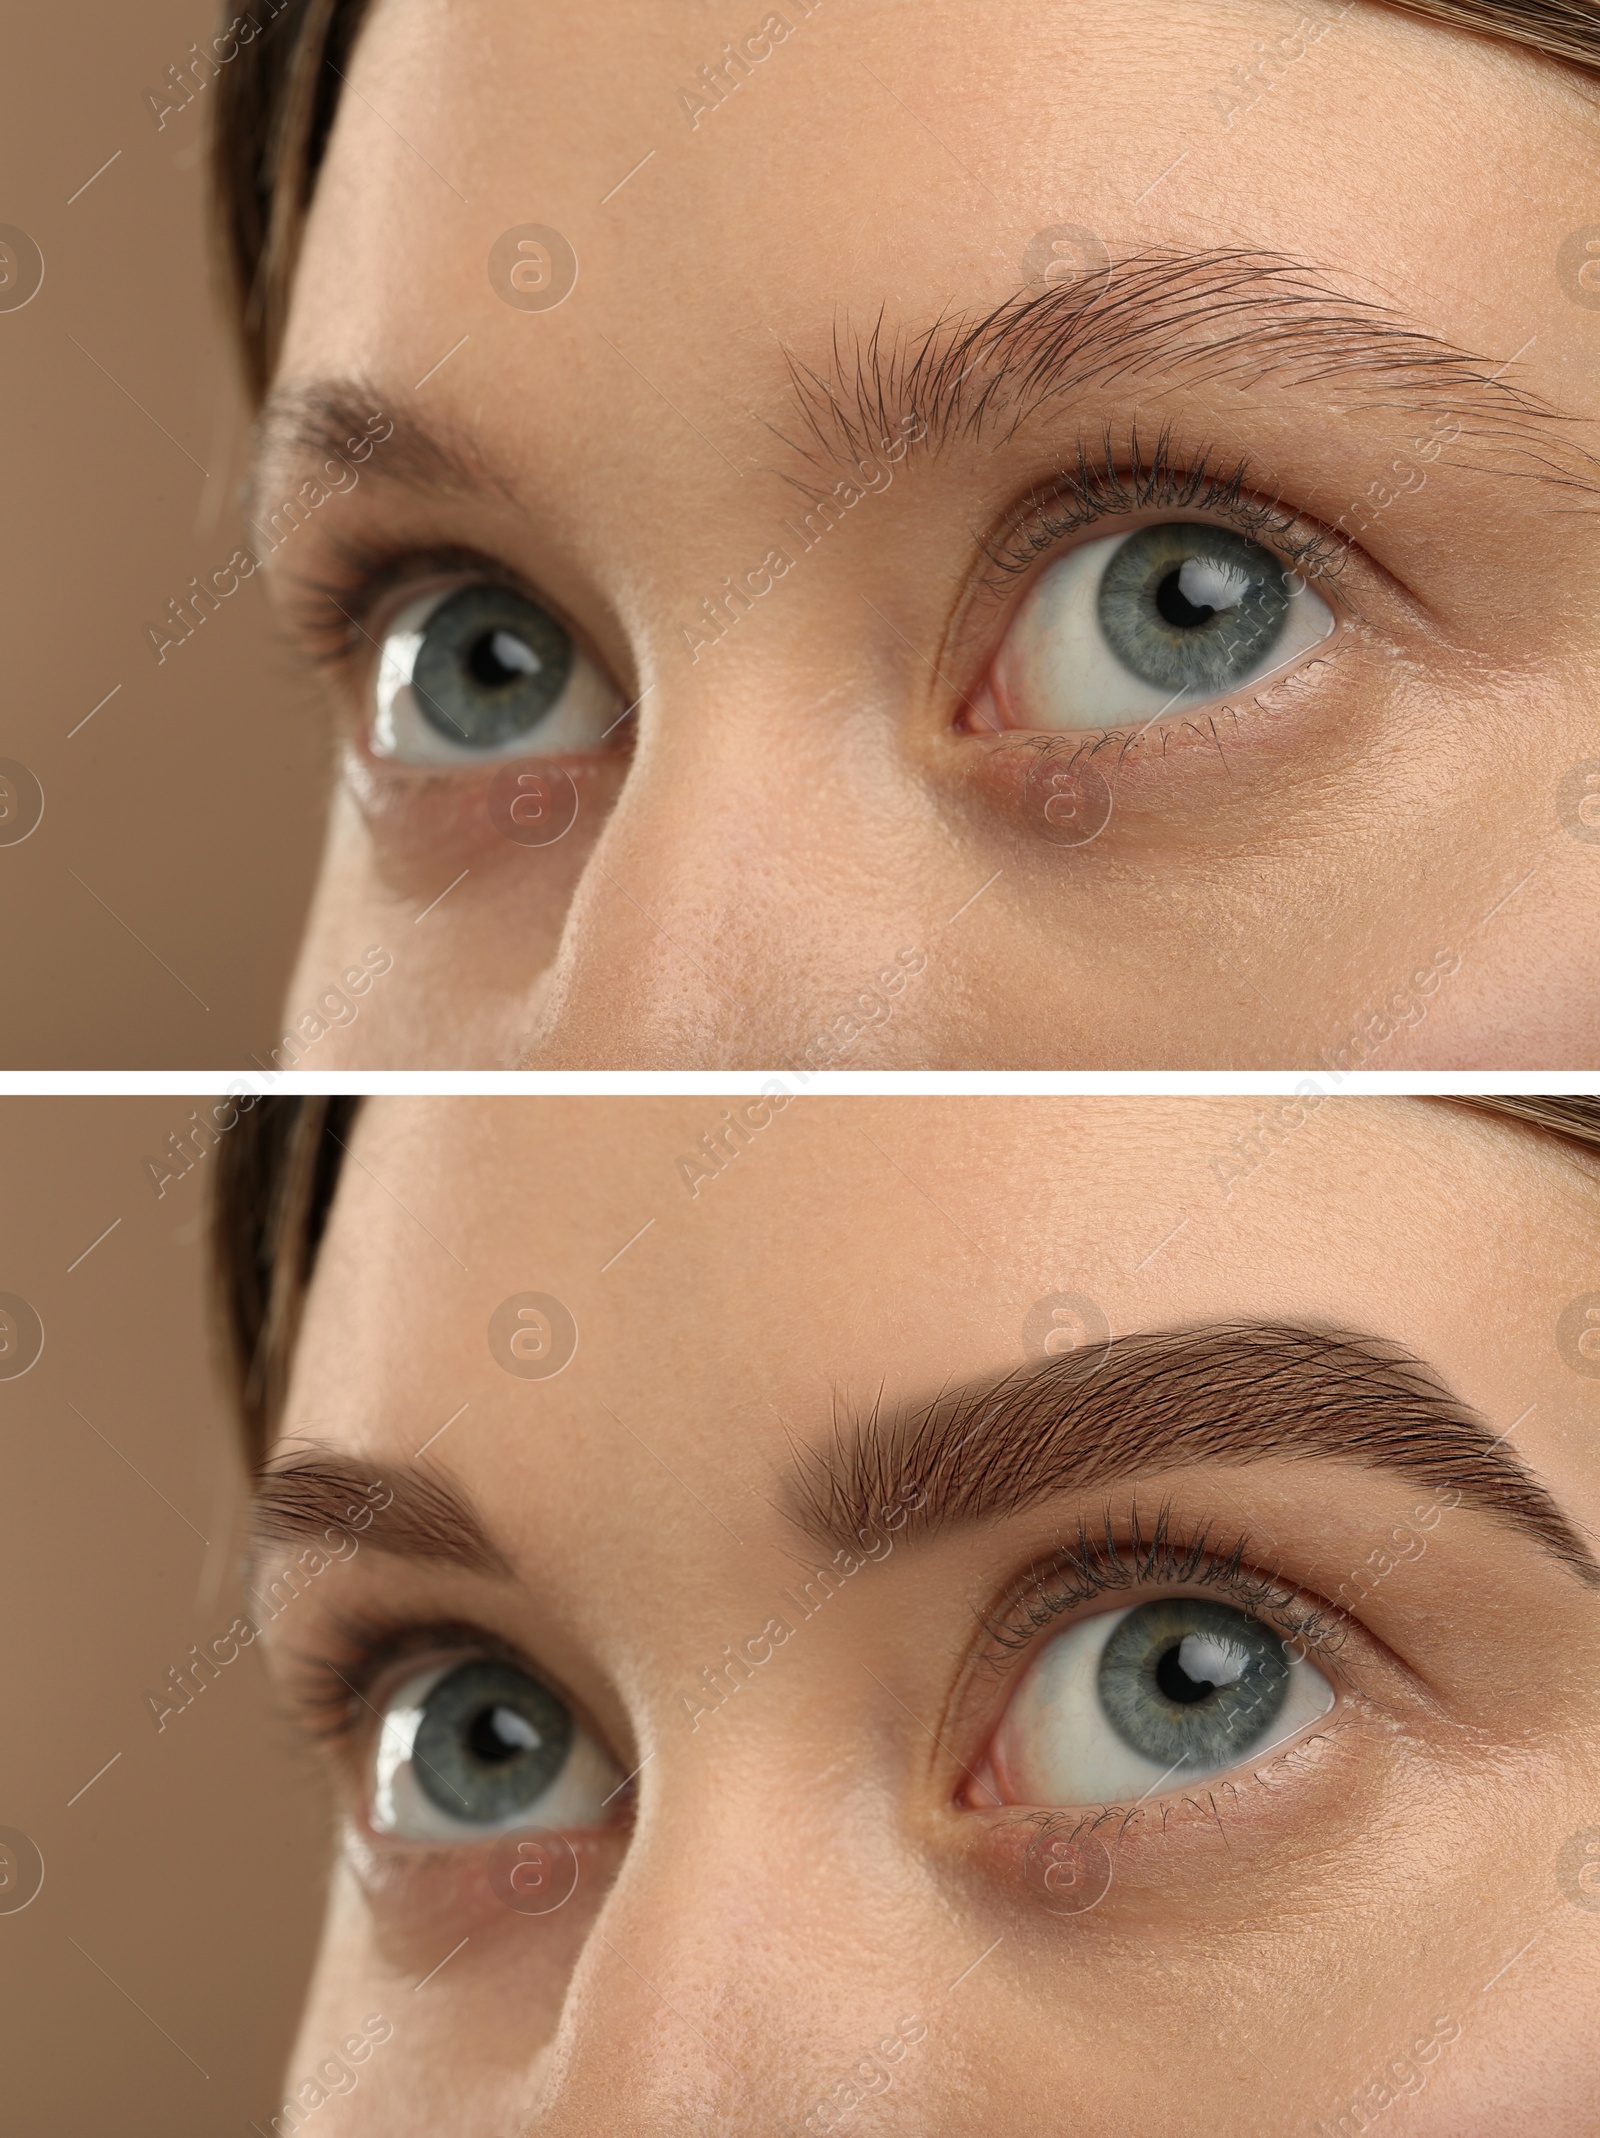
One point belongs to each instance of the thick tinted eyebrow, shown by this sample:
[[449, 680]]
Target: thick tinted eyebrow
[[1227, 1393], [398, 1508], [1174, 319]]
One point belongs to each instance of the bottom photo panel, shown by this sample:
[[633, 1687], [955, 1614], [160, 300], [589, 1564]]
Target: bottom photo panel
[[782, 1615]]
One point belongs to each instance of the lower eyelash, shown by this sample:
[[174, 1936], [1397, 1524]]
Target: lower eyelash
[[1102, 1562], [1108, 483]]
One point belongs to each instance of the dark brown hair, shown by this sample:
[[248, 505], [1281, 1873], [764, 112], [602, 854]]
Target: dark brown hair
[[277, 96], [276, 99], [278, 1170]]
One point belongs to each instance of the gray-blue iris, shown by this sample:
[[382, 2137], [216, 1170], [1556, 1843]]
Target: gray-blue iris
[[490, 1742], [490, 666], [1191, 608], [1190, 1683]]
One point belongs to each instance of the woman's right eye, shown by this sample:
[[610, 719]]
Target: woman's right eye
[[481, 1747], [1163, 1692], [480, 672]]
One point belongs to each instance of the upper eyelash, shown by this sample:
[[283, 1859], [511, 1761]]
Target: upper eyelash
[[1102, 1561], [328, 1692], [326, 609], [1107, 482]]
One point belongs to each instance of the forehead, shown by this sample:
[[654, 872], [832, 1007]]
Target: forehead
[[732, 1267], [899, 158]]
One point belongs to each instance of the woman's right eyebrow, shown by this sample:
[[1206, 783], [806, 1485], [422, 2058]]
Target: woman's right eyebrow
[[402, 1508], [302, 426], [1152, 1402]]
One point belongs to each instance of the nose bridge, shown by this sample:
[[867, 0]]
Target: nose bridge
[[708, 1996], [750, 854]]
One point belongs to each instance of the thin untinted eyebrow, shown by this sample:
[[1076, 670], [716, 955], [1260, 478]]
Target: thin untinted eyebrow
[[1145, 1404], [401, 1508], [1170, 318], [318, 419]]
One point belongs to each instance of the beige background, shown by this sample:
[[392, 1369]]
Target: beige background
[[190, 1870], [190, 803]]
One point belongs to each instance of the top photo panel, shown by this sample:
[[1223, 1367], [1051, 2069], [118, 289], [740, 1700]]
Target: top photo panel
[[864, 534]]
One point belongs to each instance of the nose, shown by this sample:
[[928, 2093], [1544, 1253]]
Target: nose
[[731, 1980], [767, 860]]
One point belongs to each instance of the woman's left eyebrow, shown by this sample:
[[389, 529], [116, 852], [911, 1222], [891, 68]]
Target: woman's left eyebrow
[[1152, 1402], [1164, 319]]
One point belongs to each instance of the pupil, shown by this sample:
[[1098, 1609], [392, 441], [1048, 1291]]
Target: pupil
[[497, 658], [1175, 607], [497, 1734], [1176, 1682]]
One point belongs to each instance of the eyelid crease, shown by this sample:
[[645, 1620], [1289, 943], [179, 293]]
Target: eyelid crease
[[1111, 481], [1102, 1562], [327, 610], [328, 1693]]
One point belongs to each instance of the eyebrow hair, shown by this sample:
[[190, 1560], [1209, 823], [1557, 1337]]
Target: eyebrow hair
[[1227, 316], [412, 1513], [1230, 1393], [315, 420]]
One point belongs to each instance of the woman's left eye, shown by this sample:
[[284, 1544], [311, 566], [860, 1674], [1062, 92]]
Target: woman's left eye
[[1136, 625], [470, 1748], [1166, 1691], [481, 671]]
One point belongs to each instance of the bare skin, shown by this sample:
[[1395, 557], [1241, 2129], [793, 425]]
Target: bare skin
[[802, 1899], [1375, 854]]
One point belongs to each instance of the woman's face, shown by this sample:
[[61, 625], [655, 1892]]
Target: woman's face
[[754, 1711], [1039, 535]]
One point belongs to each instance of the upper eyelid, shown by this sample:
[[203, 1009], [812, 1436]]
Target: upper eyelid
[[1010, 1634], [1272, 1602], [1192, 492], [1000, 583], [366, 579], [338, 1697]]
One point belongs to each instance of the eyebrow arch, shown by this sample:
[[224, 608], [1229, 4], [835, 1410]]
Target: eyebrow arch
[[318, 419], [392, 1507], [1190, 319], [1229, 1393]]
